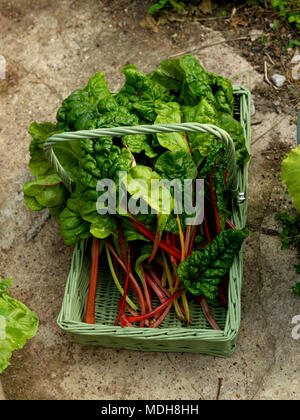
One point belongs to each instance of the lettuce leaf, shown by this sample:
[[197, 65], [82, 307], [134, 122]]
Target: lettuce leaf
[[290, 172], [17, 324]]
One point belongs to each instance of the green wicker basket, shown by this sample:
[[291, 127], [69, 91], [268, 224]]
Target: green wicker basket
[[171, 336]]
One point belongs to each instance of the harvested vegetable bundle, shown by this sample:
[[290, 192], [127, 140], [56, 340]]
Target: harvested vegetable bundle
[[148, 241]]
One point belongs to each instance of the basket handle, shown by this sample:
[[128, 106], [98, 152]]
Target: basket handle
[[144, 129]]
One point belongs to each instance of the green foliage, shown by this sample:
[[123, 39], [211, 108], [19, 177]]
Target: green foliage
[[177, 6], [285, 9], [168, 113], [179, 90], [288, 9], [203, 270], [290, 172], [176, 165], [47, 189], [296, 289], [290, 235], [17, 324]]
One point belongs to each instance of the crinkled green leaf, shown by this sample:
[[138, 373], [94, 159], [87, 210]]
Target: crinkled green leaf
[[223, 93], [169, 74], [168, 113], [205, 113], [39, 164], [195, 85], [139, 143], [79, 110], [203, 270], [32, 203], [234, 128], [72, 226], [176, 165], [17, 324], [215, 165], [139, 86], [45, 191]]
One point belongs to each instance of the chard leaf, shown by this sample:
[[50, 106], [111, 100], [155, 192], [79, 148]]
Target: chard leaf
[[169, 74], [79, 110], [170, 113], [223, 93], [72, 226], [32, 203], [17, 324], [176, 165], [140, 87], [45, 191], [105, 226], [39, 164], [143, 183], [130, 232], [234, 128], [203, 270], [205, 113], [139, 143], [195, 85]]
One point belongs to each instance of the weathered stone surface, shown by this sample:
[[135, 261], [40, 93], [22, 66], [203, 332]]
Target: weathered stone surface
[[52, 49]]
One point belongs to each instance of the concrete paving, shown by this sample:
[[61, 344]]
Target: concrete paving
[[52, 48]]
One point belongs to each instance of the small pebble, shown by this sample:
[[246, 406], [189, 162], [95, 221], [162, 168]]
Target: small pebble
[[255, 34], [296, 59], [278, 80], [256, 49], [296, 72]]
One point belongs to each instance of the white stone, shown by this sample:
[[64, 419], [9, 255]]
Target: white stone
[[296, 72], [295, 59], [255, 34], [278, 80]]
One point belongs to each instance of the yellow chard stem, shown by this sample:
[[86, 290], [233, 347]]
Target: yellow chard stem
[[170, 281], [183, 296], [164, 279]]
